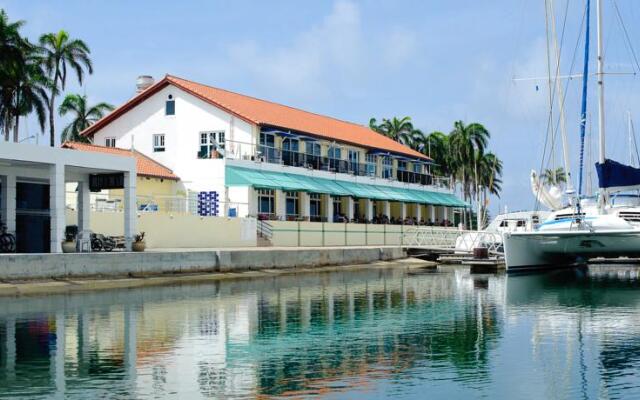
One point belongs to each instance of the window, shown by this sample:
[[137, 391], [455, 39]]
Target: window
[[211, 144], [335, 152], [291, 204], [170, 106], [402, 165], [266, 201], [110, 142], [337, 202], [335, 157], [290, 152], [267, 147], [313, 148], [417, 168], [314, 206], [158, 143], [371, 164], [354, 160], [387, 167]]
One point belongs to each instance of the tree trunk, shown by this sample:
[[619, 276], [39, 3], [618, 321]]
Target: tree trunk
[[16, 132], [54, 90], [52, 130]]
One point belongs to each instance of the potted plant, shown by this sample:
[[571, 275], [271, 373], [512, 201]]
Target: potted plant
[[138, 242], [69, 243]]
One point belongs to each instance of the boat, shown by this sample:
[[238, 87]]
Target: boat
[[491, 236], [586, 227]]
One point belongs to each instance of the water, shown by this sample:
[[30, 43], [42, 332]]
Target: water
[[374, 333]]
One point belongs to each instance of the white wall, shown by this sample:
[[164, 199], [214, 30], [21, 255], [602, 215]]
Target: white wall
[[182, 135]]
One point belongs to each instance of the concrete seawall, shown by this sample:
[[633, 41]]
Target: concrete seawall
[[60, 266]]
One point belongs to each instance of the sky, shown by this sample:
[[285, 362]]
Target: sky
[[435, 61]]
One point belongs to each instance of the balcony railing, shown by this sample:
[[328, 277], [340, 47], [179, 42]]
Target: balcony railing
[[273, 155]]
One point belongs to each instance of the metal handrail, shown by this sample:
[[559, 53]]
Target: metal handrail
[[452, 239]]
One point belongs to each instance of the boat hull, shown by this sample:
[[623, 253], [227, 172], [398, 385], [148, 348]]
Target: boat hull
[[539, 250]]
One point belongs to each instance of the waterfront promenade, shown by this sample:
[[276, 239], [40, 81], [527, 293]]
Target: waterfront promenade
[[177, 261]]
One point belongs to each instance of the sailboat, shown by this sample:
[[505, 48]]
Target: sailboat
[[586, 228]]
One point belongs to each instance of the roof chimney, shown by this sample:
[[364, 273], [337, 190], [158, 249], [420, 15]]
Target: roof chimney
[[143, 82]]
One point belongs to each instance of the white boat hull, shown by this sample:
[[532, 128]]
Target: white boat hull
[[538, 250]]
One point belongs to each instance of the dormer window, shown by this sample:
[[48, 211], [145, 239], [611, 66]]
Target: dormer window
[[170, 106]]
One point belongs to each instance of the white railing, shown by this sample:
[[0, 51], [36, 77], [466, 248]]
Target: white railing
[[452, 239], [106, 202]]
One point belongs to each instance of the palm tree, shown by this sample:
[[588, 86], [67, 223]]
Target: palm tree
[[467, 144], [83, 116], [30, 93], [12, 49], [490, 182], [61, 52], [400, 130], [554, 177]]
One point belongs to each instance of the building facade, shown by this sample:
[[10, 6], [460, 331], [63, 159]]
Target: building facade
[[261, 159]]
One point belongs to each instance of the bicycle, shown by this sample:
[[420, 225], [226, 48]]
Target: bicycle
[[7, 240]]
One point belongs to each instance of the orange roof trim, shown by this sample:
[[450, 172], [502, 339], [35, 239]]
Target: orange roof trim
[[266, 113], [145, 166]]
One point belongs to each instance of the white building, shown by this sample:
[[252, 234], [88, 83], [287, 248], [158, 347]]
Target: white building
[[273, 161], [32, 193]]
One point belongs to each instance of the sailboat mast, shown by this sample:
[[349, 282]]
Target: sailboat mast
[[560, 95], [600, 75]]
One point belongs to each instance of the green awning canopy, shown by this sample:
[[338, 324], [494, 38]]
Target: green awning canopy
[[259, 179]]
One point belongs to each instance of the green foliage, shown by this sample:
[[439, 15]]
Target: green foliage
[[59, 53], [462, 154], [554, 177], [83, 116]]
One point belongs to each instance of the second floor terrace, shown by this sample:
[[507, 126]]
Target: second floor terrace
[[287, 149]]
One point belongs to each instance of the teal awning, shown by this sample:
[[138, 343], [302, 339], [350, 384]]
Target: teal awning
[[259, 179]]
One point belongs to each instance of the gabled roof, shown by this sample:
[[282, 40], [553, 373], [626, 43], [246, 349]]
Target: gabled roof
[[145, 166], [267, 113]]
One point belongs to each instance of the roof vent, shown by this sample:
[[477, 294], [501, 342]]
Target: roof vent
[[143, 82]]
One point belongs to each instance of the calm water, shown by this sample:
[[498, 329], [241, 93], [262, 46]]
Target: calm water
[[377, 333]]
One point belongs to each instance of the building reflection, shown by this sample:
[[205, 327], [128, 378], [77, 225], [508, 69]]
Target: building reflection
[[295, 334], [289, 334]]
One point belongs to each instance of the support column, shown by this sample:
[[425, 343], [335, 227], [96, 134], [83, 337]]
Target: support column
[[387, 209], [403, 210], [349, 206], [84, 209], [305, 205], [281, 205], [327, 201], [432, 214], [83, 343], [253, 202], [368, 209], [56, 206], [129, 208], [9, 203]]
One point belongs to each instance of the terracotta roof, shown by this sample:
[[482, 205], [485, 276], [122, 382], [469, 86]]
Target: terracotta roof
[[266, 113], [145, 166]]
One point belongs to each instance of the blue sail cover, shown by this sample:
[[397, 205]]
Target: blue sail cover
[[615, 176]]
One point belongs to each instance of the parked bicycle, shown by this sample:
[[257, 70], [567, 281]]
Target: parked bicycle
[[7, 240], [101, 242]]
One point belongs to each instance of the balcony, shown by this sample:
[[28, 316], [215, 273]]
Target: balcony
[[273, 155]]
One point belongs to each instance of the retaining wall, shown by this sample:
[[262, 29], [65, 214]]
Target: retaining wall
[[48, 266]]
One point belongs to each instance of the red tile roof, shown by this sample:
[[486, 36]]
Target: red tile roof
[[266, 113], [145, 166]]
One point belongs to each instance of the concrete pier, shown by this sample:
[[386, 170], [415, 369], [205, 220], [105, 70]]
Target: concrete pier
[[123, 264]]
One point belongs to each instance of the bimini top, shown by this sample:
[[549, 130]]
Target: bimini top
[[269, 114], [145, 166], [237, 176]]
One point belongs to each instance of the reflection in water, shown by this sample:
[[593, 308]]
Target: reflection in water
[[386, 332]]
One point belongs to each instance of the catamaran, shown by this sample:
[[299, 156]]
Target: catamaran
[[587, 227]]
